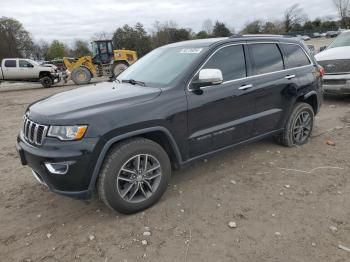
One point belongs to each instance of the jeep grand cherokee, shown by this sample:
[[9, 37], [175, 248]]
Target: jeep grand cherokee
[[179, 103]]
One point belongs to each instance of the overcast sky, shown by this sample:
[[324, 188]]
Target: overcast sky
[[71, 19]]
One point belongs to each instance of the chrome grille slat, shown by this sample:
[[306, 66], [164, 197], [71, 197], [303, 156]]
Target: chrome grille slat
[[30, 131], [33, 132]]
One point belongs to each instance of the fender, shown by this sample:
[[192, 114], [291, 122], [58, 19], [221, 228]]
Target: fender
[[311, 93], [113, 140]]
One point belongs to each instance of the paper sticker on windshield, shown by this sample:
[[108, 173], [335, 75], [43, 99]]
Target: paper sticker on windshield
[[191, 50]]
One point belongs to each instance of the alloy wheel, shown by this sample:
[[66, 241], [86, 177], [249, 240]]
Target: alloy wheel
[[302, 127], [139, 178]]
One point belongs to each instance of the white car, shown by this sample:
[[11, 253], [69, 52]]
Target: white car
[[19, 69], [335, 60]]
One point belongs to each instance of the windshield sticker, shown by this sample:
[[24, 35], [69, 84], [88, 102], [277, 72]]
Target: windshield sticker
[[191, 50]]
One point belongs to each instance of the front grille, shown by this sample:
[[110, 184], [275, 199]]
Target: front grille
[[339, 66], [33, 132], [334, 81]]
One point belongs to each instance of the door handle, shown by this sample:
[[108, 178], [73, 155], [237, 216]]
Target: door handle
[[245, 87], [290, 77]]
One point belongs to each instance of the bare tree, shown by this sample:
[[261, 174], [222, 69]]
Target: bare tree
[[292, 16], [208, 26], [102, 36], [343, 9]]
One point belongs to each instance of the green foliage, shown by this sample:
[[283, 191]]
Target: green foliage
[[202, 35], [15, 41], [57, 49], [168, 33], [132, 38], [81, 48], [220, 30]]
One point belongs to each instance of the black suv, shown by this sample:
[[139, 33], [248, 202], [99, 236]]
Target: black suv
[[179, 103]]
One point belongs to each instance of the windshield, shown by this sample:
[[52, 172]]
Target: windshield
[[32, 61], [342, 40], [162, 66]]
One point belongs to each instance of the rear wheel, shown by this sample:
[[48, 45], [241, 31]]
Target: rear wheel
[[299, 126], [81, 76], [118, 68], [46, 81], [134, 176]]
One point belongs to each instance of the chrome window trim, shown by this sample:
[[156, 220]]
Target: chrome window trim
[[248, 77]]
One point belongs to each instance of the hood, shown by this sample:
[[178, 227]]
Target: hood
[[89, 100], [335, 53]]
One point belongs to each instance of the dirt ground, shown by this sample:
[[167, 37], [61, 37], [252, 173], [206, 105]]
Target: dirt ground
[[289, 204]]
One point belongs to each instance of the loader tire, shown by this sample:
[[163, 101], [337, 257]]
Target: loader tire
[[117, 68], [81, 76]]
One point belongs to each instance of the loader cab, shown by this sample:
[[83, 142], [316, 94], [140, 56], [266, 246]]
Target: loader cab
[[102, 51]]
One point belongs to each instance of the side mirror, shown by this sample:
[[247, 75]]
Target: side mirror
[[208, 77], [323, 48]]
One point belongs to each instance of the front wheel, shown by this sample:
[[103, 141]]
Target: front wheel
[[298, 127], [46, 81], [134, 175], [81, 76]]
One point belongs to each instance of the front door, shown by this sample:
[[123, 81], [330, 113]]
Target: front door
[[221, 115], [26, 70]]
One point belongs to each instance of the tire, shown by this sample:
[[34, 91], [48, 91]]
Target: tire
[[119, 167], [293, 134], [46, 81], [117, 68], [81, 76]]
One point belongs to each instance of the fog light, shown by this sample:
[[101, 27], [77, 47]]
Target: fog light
[[57, 168]]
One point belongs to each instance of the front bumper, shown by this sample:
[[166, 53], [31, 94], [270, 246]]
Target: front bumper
[[79, 155], [337, 84]]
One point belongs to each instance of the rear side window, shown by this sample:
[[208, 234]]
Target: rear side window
[[10, 63], [267, 58], [230, 60], [296, 57]]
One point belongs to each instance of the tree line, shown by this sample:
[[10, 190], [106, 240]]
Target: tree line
[[15, 41]]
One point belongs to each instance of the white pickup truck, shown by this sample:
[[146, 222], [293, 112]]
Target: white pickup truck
[[18, 69]]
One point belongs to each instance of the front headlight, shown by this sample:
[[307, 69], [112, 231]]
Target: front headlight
[[67, 133]]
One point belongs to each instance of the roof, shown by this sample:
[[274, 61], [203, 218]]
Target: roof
[[234, 38]]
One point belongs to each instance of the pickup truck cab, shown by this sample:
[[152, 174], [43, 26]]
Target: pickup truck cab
[[18, 69], [177, 104]]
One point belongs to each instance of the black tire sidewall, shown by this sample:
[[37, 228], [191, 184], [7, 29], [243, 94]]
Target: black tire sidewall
[[46, 78], [119, 157]]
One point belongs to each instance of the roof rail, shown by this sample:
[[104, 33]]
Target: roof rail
[[255, 35]]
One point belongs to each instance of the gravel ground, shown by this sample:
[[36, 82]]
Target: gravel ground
[[261, 202]]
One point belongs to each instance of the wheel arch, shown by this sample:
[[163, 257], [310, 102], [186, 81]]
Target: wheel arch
[[44, 73], [160, 135], [311, 99]]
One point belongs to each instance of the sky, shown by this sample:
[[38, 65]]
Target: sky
[[67, 20]]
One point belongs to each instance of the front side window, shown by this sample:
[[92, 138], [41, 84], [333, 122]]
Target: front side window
[[267, 58], [230, 60], [296, 57], [24, 63], [10, 63]]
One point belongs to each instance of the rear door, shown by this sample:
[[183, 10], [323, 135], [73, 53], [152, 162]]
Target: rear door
[[220, 115], [10, 69], [297, 59], [274, 86]]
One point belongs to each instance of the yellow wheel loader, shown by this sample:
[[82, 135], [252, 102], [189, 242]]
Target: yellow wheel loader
[[105, 61]]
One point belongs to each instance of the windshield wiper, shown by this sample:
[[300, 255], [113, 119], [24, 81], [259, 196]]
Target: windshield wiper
[[134, 82]]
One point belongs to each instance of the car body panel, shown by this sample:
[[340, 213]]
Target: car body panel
[[196, 123]]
